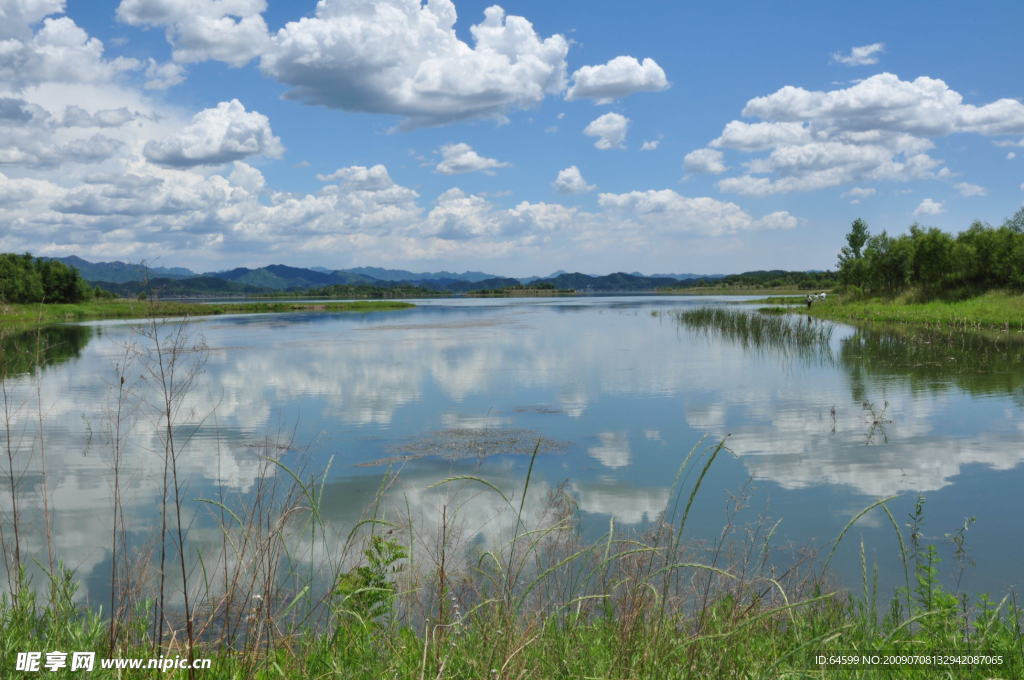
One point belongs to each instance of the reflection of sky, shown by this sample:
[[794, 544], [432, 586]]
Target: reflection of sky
[[630, 391]]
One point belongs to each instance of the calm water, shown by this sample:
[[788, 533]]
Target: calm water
[[616, 391]]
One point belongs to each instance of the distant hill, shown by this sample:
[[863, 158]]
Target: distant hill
[[127, 279], [120, 272], [619, 281], [404, 275], [687, 276], [281, 277]]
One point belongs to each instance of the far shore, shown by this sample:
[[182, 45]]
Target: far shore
[[19, 317]]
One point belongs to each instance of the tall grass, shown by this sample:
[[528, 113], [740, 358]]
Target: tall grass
[[755, 330], [285, 594]]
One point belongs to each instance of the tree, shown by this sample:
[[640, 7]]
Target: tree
[[1016, 223], [851, 265]]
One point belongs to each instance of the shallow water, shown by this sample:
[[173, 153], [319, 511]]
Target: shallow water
[[615, 390]]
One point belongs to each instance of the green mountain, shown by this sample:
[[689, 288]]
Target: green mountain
[[120, 272]]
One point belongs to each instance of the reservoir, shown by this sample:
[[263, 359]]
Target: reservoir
[[612, 393]]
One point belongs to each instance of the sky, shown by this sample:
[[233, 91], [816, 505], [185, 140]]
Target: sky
[[586, 136]]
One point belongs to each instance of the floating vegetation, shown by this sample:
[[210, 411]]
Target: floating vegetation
[[755, 330], [471, 442], [539, 408]]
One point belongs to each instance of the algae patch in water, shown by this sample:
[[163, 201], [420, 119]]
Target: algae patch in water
[[470, 442]]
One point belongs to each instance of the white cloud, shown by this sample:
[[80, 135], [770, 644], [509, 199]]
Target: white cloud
[[60, 51], [620, 77], [859, 192], [373, 178], [460, 158], [218, 135], [650, 145], [760, 136], [17, 16], [668, 212], [76, 116], [163, 76], [404, 58], [610, 130], [856, 194], [879, 129], [247, 177], [231, 31], [705, 161], [860, 56], [570, 181], [967, 189], [929, 207], [1010, 156], [923, 106]]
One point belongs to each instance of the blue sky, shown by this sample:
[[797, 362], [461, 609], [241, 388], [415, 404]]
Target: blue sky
[[598, 137]]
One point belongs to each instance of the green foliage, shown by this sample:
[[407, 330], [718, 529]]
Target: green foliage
[[25, 279], [772, 278], [368, 291], [368, 591], [934, 263]]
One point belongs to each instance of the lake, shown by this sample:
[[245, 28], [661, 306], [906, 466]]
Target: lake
[[612, 392]]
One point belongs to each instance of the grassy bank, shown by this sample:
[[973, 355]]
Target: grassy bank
[[400, 602], [22, 317], [736, 290], [994, 311]]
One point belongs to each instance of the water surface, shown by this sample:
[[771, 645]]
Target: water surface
[[615, 391]]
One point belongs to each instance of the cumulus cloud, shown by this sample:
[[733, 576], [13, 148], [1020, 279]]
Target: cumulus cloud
[[968, 189], [760, 136], [460, 158], [705, 161], [570, 181], [231, 31], [879, 129], [16, 16], [1010, 156], [60, 52], [620, 77], [929, 207], [856, 194], [162, 76], [668, 211], [218, 135], [650, 145], [610, 130], [923, 106], [360, 177], [860, 56], [404, 58], [76, 116]]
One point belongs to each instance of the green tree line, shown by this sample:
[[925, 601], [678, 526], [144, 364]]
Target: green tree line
[[27, 279], [932, 261]]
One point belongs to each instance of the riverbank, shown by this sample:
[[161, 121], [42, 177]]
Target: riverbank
[[26, 317], [615, 608], [993, 311], [736, 290]]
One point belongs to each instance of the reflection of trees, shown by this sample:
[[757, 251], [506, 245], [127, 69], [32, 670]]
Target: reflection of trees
[[23, 352], [932, 362]]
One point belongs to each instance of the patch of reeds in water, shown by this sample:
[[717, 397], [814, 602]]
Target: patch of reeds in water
[[756, 330]]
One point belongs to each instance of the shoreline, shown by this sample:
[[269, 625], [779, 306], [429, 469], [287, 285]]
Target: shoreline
[[25, 317], [992, 311]]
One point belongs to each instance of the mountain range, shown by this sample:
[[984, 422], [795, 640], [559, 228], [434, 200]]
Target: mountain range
[[130, 279]]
